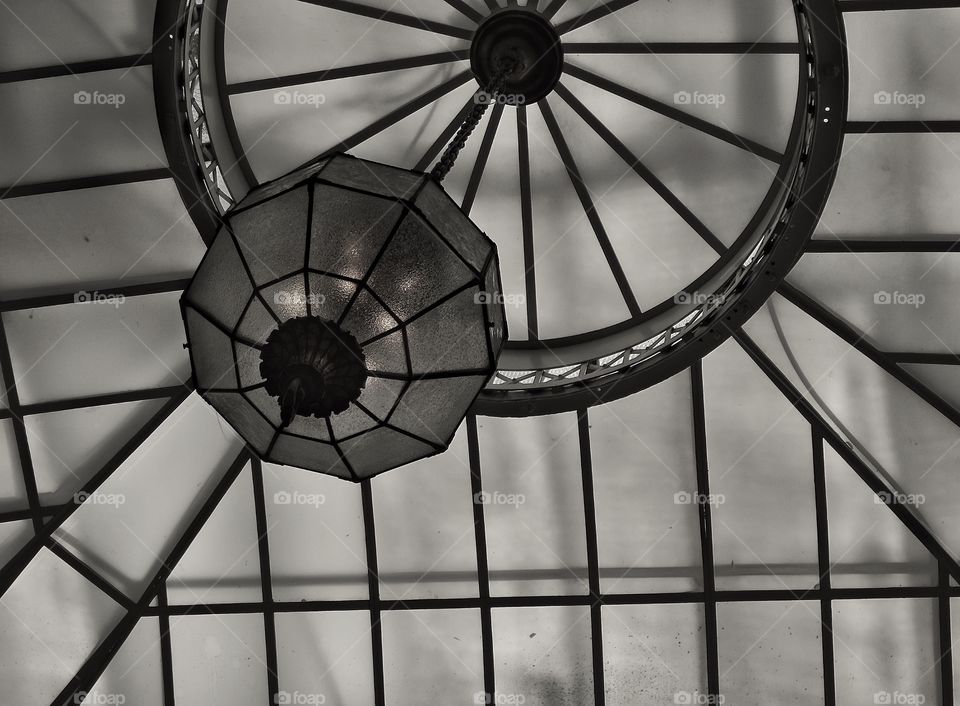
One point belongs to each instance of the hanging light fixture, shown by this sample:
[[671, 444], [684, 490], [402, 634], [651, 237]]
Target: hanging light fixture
[[347, 314]]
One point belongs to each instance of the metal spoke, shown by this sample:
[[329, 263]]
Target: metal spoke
[[399, 18], [673, 113], [465, 10], [482, 156], [526, 216], [553, 8], [340, 72], [681, 48]]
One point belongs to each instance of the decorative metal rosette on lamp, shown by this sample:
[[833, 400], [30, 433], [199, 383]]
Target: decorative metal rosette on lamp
[[345, 318]]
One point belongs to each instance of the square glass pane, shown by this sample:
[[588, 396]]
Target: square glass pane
[[642, 451], [219, 660], [886, 651], [667, 640], [426, 545], [761, 478], [325, 658], [533, 505], [432, 657], [543, 656], [770, 653], [317, 547]]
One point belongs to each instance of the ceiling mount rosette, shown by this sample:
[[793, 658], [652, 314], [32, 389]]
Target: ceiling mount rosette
[[614, 156], [345, 318]]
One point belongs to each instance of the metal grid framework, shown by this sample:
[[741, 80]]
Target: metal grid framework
[[46, 519], [785, 219], [49, 519]]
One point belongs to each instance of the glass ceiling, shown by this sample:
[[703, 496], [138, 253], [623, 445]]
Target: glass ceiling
[[774, 525]]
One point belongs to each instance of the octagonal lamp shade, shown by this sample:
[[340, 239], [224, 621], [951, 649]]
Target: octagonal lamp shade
[[345, 318]]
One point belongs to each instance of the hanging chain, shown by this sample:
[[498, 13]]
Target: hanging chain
[[506, 66]]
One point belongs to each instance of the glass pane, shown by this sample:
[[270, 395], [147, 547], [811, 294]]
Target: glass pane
[[222, 564], [533, 505], [426, 546], [380, 179], [667, 640], [451, 337], [432, 409], [325, 658], [273, 234], [101, 122], [908, 51], [219, 659], [158, 243], [770, 653], [543, 656], [761, 478], [417, 269], [894, 184], [432, 656], [642, 450], [886, 651], [97, 347], [211, 353], [317, 548], [349, 229], [447, 217]]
